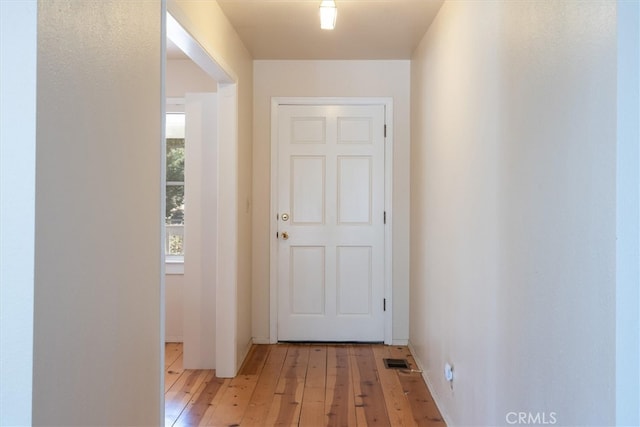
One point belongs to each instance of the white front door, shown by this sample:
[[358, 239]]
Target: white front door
[[331, 222]]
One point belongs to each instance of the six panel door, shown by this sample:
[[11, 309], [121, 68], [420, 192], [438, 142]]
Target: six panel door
[[331, 223]]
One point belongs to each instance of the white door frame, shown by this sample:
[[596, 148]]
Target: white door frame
[[387, 102], [178, 29]]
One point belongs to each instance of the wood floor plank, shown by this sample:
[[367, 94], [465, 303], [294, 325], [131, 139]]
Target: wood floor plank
[[285, 408], [181, 393], [200, 401], [312, 412], [255, 360], [233, 404], [217, 399], [358, 401], [317, 367], [264, 392], [206, 399], [172, 350], [370, 406], [423, 407], [339, 396], [398, 407], [173, 372]]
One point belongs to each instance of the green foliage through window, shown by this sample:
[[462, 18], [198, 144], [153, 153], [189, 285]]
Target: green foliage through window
[[174, 213]]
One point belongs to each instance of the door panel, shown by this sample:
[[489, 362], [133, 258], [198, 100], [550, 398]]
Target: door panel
[[354, 190], [354, 130], [307, 280], [307, 189], [309, 130], [354, 284], [331, 223]]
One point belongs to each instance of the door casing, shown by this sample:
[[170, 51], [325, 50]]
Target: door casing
[[387, 102]]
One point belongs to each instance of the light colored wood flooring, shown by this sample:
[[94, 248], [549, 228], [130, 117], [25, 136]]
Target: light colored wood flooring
[[301, 385]]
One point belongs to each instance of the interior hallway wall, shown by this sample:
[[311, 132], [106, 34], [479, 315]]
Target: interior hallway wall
[[98, 282], [513, 210], [330, 79], [174, 307]]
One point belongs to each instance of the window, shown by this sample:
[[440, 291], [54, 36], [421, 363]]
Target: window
[[174, 211]]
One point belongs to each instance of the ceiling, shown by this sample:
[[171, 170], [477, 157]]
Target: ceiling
[[365, 29]]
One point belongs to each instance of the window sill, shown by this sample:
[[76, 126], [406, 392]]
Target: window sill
[[174, 266]]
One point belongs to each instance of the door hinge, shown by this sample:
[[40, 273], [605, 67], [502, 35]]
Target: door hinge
[[385, 217], [385, 131], [384, 304]]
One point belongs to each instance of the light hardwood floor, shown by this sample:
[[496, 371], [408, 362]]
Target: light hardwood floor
[[301, 385]]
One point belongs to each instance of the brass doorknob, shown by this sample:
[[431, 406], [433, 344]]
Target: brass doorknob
[[285, 235]]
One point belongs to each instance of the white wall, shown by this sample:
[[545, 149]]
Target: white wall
[[206, 22], [18, 28], [98, 283], [174, 308], [628, 216], [513, 210], [184, 76], [330, 79], [201, 236]]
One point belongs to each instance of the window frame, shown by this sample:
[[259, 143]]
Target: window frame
[[174, 264]]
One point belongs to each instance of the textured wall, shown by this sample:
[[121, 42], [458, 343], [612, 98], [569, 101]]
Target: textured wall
[[97, 346], [513, 210]]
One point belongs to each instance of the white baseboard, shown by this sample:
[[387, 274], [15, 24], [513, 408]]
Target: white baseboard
[[173, 338], [445, 416], [400, 342]]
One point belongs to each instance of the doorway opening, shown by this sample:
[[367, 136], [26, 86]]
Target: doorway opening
[[210, 234]]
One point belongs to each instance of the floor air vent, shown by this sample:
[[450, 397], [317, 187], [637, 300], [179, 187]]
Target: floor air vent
[[396, 363]]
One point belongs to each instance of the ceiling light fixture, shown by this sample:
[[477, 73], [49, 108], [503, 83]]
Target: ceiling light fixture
[[328, 13]]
